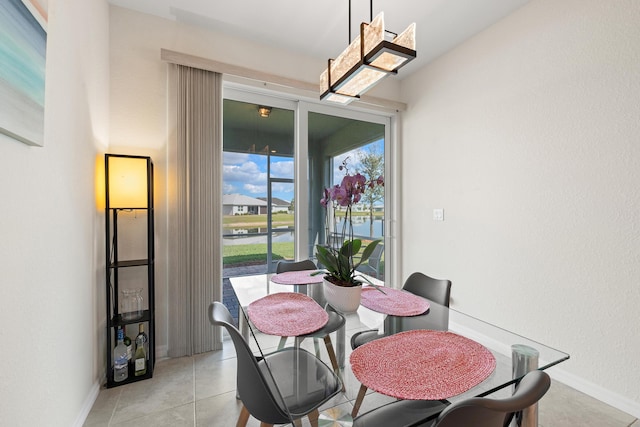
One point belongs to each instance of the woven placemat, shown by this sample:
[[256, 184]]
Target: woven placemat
[[393, 301], [422, 364], [287, 314], [301, 277]]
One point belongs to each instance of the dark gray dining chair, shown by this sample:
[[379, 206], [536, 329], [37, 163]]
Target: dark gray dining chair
[[373, 265], [335, 322], [271, 387], [436, 290], [305, 264], [474, 411]]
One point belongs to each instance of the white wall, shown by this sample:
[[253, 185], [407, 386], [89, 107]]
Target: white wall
[[51, 251], [527, 136]]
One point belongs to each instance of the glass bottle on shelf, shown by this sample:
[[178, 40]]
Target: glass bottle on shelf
[[140, 360], [128, 344], [143, 337], [120, 362]]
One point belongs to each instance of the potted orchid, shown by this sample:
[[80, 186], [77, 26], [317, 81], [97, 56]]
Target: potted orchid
[[340, 263]]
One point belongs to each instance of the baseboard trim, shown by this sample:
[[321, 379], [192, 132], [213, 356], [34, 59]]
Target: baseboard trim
[[615, 400], [87, 405], [162, 352]]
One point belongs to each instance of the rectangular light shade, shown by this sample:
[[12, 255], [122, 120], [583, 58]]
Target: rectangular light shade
[[359, 68], [127, 182], [392, 56]]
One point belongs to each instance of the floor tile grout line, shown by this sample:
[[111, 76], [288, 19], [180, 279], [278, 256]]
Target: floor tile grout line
[[115, 408]]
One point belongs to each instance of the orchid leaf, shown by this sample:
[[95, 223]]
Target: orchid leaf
[[361, 278], [367, 252]]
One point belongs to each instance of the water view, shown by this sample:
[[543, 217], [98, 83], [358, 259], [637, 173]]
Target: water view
[[258, 235], [249, 236]]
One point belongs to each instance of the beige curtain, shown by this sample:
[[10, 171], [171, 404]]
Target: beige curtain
[[195, 261]]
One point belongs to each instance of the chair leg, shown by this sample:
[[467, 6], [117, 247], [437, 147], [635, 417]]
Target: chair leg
[[359, 399], [266, 425], [332, 354], [243, 418], [316, 346], [283, 341], [313, 417], [297, 422], [333, 358]]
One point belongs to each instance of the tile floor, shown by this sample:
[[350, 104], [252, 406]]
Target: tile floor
[[200, 391]]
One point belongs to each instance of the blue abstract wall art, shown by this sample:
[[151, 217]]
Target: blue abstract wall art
[[23, 43]]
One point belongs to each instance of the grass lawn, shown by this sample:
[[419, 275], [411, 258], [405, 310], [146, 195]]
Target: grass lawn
[[257, 253], [248, 221]]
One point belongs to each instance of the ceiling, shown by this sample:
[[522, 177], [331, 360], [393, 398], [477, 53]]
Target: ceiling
[[321, 28]]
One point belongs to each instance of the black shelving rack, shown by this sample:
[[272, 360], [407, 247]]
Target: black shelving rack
[[114, 264]]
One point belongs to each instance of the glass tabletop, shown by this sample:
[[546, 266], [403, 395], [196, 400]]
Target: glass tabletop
[[514, 354]]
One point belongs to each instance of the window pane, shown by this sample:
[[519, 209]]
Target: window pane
[[257, 173]]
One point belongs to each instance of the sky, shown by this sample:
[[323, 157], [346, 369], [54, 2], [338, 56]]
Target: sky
[[245, 173]]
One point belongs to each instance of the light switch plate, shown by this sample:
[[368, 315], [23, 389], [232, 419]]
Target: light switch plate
[[438, 214]]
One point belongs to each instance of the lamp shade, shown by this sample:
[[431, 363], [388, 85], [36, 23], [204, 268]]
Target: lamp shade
[[127, 181], [366, 61]]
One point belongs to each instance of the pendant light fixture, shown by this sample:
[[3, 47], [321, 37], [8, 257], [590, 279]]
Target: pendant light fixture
[[264, 111], [367, 60]]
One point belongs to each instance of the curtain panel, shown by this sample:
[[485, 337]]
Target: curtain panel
[[194, 205]]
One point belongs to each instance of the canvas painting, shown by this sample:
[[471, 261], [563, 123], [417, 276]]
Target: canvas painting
[[23, 43]]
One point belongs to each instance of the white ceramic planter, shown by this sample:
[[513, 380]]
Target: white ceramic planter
[[343, 299]]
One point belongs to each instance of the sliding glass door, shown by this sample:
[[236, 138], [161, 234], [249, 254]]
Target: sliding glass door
[[337, 145], [279, 155]]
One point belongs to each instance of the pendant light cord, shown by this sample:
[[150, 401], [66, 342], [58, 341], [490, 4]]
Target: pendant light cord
[[370, 18]]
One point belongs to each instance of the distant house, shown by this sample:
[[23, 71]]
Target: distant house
[[277, 205], [238, 204]]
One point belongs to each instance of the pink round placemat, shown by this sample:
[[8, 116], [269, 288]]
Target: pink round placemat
[[302, 277], [422, 364], [393, 301], [287, 314]]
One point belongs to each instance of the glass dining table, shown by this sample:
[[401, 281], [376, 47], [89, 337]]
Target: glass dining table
[[508, 356]]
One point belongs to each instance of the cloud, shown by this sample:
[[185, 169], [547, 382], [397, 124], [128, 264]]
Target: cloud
[[283, 189], [229, 158], [282, 169], [247, 172], [352, 165], [228, 188], [255, 189]]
